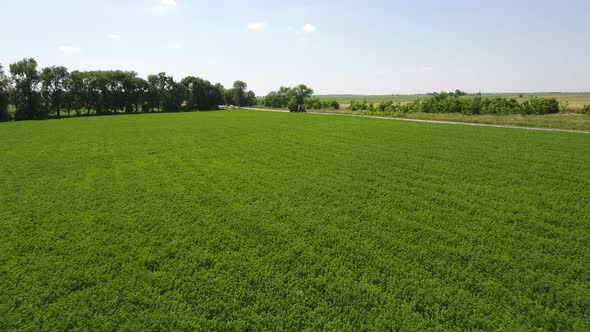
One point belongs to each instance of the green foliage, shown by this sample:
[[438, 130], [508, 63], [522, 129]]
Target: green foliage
[[26, 96], [451, 103], [278, 99], [334, 104], [176, 96], [586, 109], [266, 221], [500, 106], [540, 106], [458, 93], [202, 94], [4, 96], [315, 103], [356, 105], [239, 96], [157, 90], [53, 88], [286, 96]]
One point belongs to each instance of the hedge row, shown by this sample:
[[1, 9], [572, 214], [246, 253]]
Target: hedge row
[[315, 103], [445, 103]]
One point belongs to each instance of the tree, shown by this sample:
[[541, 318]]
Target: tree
[[78, 96], [4, 96], [278, 98], [458, 93], [27, 98], [202, 94], [175, 96], [156, 90], [299, 94], [133, 89], [53, 87], [288, 96], [251, 98], [228, 97], [239, 93]]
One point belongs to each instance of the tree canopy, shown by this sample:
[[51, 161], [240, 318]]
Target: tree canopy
[[38, 94], [286, 96]]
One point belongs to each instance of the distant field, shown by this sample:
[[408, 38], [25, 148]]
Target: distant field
[[344, 99], [243, 220], [576, 101]]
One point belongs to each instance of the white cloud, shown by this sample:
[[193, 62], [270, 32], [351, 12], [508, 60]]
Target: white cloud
[[163, 5], [70, 50], [169, 3], [426, 68], [257, 26], [113, 36], [309, 28]]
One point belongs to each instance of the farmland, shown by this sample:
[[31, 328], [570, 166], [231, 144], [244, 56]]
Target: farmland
[[239, 220]]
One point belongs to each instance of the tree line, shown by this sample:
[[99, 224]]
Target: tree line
[[51, 91], [286, 96], [458, 103]]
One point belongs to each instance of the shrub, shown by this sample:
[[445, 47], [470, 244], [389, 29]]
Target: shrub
[[540, 106], [500, 106], [446, 103], [359, 105], [313, 103], [471, 106], [334, 104], [586, 109]]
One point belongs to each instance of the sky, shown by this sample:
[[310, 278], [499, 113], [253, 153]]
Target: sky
[[335, 47]]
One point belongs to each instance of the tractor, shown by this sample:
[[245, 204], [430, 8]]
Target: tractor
[[297, 109]]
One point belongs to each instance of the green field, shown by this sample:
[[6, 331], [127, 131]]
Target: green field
[[242, 220], [576, 101]]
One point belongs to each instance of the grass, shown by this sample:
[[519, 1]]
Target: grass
[[575, 121], [555, 121], [576, 101], [240, 220]]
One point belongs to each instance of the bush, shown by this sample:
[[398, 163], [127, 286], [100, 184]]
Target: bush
[[471, 106], [446, 103], [359, 105], [540, 106], [586, 109], [313, 103], [500, 106], [334, 104]]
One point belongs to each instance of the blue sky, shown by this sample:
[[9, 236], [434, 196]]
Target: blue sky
[[368, 47]]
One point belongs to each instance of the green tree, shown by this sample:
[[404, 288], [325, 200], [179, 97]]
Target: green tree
[[27, 98], [278, 98], [156, 90], [251, 98], [239, 93], [53, 87], [175, 96], [202, 94], [288, 96], [4, 95], [299, 94], [78, 94]]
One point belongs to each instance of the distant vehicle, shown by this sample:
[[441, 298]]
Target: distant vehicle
[[297, 109]]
